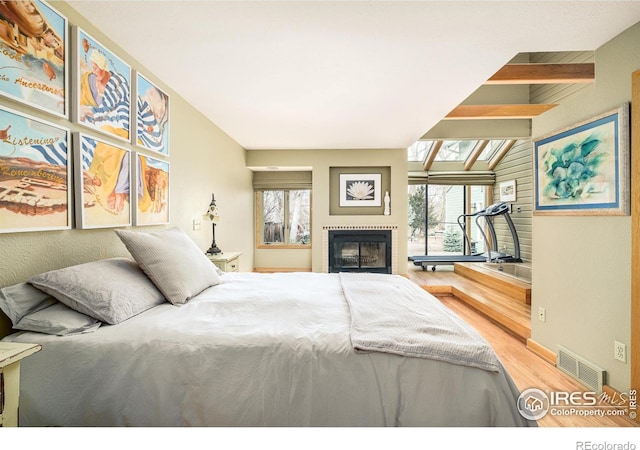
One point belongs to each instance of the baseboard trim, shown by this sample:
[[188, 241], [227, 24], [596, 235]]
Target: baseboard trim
[[542, 351], [281, 269]]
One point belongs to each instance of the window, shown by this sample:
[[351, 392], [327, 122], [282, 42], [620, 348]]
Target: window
[[283, 218], [433, 219]]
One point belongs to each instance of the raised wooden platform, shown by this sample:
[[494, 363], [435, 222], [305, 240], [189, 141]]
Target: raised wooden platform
[[502, 300], [516, 289]]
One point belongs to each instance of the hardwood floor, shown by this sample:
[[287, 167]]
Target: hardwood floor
[[527, 369]]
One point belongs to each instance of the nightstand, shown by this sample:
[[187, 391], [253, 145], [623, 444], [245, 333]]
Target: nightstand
[[10, 355], [226, 261]]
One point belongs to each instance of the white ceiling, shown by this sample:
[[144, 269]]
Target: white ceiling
[[341, 74]]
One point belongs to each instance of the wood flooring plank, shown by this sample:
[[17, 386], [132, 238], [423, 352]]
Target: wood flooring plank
[[528, 370]]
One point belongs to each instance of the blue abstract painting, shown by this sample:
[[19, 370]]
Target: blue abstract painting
[[583, 169]]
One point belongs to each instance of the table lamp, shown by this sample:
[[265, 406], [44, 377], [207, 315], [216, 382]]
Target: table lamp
[[213, 216]]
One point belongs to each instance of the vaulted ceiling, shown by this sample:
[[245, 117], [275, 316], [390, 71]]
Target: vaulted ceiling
[[492, 143], [350, 74]]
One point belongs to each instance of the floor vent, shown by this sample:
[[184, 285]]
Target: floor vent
[[579, 368]]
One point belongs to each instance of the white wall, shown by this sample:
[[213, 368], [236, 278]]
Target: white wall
[[582, 265]]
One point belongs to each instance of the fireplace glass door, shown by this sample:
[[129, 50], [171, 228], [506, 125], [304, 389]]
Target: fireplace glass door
[[360, 252]]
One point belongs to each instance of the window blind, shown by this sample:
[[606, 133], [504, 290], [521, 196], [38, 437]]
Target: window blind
[[276, 180], [457, 178]]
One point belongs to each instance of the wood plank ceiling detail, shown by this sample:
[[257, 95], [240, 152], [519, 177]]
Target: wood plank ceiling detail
[[512, 74], [525, 74], [544, 74], [527, 111]]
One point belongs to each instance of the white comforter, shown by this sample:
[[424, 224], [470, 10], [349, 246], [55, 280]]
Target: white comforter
[[256, 350]]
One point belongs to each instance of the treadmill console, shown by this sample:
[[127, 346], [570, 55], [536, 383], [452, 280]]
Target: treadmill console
[[496, 209]]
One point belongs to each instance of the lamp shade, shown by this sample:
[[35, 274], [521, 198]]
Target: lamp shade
[[212, 214]]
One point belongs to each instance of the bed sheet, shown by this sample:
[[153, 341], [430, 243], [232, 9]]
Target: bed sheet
[[255, 350]]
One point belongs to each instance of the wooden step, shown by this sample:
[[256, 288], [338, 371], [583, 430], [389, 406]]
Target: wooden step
[[516, 289], [513, 315]]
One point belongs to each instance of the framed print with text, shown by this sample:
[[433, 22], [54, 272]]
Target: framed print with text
[[35, 176], [33, 55]]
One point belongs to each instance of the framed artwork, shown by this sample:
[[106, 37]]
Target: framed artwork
[[151, 190], [152, 116], [102, 183], [360, 189], [584, 169], [102, 88], [508, 191], [35, 177], [33, 55]]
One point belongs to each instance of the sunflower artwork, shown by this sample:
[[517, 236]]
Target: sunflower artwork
[[360, 189]]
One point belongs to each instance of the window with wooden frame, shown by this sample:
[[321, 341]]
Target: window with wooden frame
[[283, 209], [284, 218]]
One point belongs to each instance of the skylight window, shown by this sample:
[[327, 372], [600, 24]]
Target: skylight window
[[455, 150], [490, 150], [419, 150]]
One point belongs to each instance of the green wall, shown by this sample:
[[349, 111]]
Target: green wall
[[321, 162], [582, 264]]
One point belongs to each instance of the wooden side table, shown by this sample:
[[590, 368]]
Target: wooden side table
[[226, 261], [10, 355]]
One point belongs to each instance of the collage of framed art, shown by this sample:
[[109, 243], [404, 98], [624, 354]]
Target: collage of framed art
[[113, 173]]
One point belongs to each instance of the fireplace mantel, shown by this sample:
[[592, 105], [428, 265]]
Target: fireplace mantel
[[394, 241]]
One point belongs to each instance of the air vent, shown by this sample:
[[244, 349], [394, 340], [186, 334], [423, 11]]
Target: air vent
[[579, 368]]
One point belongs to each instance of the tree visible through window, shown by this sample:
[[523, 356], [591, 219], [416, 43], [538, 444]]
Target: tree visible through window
[[433, 219], [285, 217]]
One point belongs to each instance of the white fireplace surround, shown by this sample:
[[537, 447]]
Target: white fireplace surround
[[394, 242]]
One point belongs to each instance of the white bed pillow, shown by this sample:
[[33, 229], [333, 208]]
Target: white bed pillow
[[31, 309], [173, 262], [109, 290]]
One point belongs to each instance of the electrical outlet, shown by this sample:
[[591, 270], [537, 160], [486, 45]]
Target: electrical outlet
[[542, 314], [620, 351], [196, 224]]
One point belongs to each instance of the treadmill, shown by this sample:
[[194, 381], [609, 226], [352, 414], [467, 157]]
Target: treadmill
[[488, 214]]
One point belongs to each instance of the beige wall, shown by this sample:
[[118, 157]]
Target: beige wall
[[321, 161], [581, 265], [203, 160]]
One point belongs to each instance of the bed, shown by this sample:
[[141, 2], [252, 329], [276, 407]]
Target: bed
[[254, 349]]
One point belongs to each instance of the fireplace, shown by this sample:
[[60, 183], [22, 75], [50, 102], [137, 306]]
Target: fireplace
[[360, 251]]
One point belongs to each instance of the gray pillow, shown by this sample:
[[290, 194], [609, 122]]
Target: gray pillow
[[110, 290], [21, 299], [58, 319], [31, 309], [173, 262]]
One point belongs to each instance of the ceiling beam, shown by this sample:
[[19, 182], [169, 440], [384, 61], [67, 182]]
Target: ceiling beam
[[501, 153], [475, 154], [544, 74], [479, 129], [431, 156], [523, 111]]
